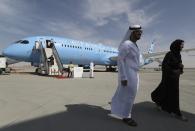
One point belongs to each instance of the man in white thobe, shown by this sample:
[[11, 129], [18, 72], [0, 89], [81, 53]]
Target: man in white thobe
[[128, 66], [91, 75]]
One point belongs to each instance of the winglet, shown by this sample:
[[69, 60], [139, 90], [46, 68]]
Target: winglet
[[151, 49]]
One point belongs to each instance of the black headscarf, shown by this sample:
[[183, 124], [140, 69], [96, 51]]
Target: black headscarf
[[176, 49], [176, 46]]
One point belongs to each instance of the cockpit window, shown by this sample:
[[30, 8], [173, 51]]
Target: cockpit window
[[18, 41], [22, 42]]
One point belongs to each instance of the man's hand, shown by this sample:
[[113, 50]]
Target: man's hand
[[124, 82]]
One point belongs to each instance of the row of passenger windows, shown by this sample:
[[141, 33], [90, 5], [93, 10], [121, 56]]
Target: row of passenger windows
[[78, 47], [86, 48], [110, 51], [72, 46]]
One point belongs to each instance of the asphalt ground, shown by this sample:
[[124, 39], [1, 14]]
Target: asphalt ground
[[29, 102]]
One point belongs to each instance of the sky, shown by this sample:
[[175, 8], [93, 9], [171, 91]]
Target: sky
[[101, 21]]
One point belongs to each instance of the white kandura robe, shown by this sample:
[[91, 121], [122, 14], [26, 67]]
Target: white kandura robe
[[128, 66]]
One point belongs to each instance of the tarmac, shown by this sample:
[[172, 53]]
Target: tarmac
[[29, 102]]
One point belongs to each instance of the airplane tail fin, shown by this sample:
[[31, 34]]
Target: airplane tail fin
[[151, 49]]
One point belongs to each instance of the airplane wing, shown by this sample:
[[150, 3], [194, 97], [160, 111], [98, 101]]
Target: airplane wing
[[158, 55], [154, 54], [188, 50], [164, 52], [159, 60]]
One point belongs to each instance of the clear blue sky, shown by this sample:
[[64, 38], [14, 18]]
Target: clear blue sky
[[100, 21]]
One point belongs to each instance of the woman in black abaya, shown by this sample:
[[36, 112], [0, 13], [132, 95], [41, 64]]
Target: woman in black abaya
[[166, 95]]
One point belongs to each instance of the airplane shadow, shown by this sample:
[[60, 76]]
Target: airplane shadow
[[34, 73], [83, 117]]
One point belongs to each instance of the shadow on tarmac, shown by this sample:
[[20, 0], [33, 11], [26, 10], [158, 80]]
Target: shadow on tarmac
[[83, 117]]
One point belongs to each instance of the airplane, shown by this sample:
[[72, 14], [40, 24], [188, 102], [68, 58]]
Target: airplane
[[78, 52], [69, 50]]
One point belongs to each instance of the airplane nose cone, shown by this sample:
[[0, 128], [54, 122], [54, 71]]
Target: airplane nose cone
[[17, 52], [10, 51], [7, 52]]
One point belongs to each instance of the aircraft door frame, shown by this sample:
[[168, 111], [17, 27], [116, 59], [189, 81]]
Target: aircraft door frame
[[98, 53], [43, 42]]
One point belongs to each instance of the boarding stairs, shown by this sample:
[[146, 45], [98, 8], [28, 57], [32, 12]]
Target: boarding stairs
[[41, 56], [57, 60]]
